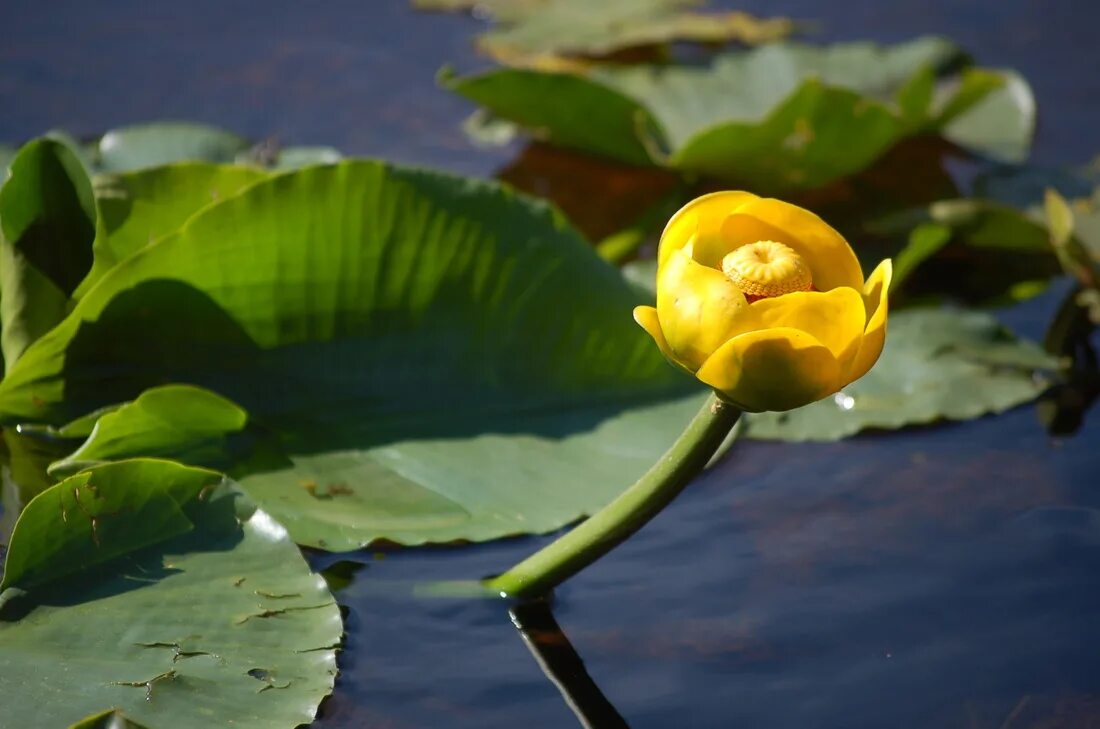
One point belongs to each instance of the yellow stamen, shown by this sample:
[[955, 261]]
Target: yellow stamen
[[767, 268]]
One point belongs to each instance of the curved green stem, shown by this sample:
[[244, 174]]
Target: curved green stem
[[603, 531]]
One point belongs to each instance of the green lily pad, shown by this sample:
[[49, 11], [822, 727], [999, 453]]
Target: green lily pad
[[158, 143], [139, 207], [997, 253], [217, 621], [177, 422], [779, 118], [293, 157], [47, 225], [937, 364], [437, 358], [533, 30]]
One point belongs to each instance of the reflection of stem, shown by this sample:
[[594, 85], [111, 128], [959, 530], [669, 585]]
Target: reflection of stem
[[561, 664], [631, 510]]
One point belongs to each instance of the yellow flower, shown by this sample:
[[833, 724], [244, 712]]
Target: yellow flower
[[764, 302]]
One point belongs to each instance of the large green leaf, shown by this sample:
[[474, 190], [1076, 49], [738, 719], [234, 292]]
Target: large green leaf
[[139, 207], [937, 364], [158, 143], [439, 358], [47, 225], [775, 119], [532, 30], [217, 621]]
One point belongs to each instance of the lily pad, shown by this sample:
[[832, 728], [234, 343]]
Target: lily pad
[[177, 422], [937, 364], [775, 119], [293, 157], [158, 143], [219, 620], [438, 358], [139, 207], [532, 31], [992, 253], [47, 225]]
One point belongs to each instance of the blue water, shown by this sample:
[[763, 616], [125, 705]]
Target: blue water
[[940, 577]]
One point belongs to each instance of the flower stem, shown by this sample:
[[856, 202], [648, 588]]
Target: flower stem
[[629, 512]]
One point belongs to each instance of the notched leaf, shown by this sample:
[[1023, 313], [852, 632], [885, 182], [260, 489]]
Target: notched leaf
[[274, 613], [148, 684], [177, 652]]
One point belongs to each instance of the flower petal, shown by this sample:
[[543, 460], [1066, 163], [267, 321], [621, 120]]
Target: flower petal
[[875, 295], [772, 369], [646, 316], [836, 318], [830, 258], [701, 219], [697, 307]]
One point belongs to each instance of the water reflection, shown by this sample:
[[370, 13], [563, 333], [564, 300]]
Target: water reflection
[[562, 665]]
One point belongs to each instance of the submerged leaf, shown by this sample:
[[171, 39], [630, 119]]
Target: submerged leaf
[[223, 619], [775, 119], [937, 364], [439, 358]]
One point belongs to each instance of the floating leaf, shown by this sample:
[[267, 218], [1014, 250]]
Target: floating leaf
[[937, 364], [48, 223], [997, 253], [139, 207], [440, 358], [541, 31], [158, 143], [219, 618], [178, 422], [98, 515], [294, 157], [1000, 122], [775, 119]]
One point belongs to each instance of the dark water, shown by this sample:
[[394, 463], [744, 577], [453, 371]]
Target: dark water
[[940, 577]]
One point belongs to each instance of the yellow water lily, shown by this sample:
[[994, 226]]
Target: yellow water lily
[[765, 302]]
